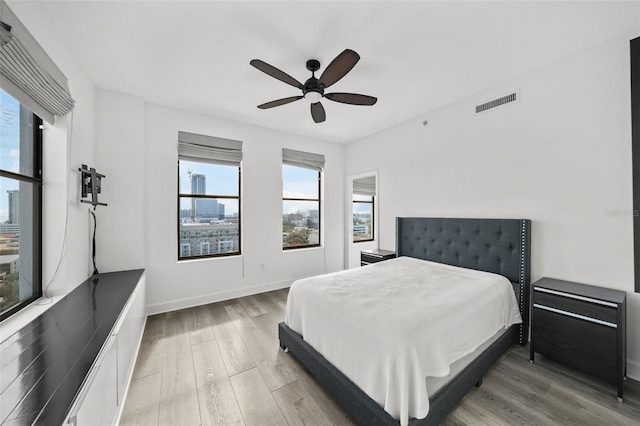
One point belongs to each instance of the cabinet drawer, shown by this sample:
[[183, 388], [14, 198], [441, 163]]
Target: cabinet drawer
[[584, 345], [592, 308]]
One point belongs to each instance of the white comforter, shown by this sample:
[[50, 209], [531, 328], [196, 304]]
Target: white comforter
[[389, 325]]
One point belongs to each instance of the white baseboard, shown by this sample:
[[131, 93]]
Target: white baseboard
[[633, 370], [217, 297]]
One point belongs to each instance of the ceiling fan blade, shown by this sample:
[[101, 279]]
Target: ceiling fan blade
[[317, 112], [276, 73], [279, 102], [339, 67], [351, 98]]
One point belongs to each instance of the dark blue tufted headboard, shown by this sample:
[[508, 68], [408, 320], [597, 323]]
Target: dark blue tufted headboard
[[501, 246]]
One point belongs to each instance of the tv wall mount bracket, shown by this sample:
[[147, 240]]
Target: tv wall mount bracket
[[91, 184]]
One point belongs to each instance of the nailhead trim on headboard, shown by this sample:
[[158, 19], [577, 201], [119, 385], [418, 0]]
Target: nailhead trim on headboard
[[521, 331], [397, 235]]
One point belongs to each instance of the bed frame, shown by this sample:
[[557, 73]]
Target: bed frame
[[500, 246]]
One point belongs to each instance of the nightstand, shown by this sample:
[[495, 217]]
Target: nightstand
[[582, 326], [375, 255]]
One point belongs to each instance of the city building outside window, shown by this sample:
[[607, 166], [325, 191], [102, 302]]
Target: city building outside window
[[363, 219], [209, 222], [300, 207], [20, 206]]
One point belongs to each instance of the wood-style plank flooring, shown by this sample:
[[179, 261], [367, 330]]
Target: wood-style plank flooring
[[221, 364]]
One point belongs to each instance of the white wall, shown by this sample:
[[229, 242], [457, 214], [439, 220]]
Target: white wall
[[59, 174], [120, 157], [172, 284], [560, 157]]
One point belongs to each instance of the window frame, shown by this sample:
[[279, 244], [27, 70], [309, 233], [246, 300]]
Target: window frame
[[373, 219], [318, 200], [205, 196], [37, 212]]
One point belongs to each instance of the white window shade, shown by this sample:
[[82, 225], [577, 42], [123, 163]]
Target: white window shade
[[209, 149], [303, 159], [27, 73], [365, 186]]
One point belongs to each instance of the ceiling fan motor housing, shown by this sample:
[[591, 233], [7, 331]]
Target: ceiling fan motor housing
[[313, 65]]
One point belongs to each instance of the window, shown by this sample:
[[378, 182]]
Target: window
[[20, 206], [363, 208], [362, 218], [301, 185], [206, 246], [209, 196]]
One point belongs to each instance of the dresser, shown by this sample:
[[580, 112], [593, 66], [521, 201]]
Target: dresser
[[73, 363], [375, 255], [582, 326]]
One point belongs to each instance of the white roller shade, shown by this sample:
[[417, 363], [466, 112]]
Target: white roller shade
[[365, 186], [303, 159], [209, 149], [27, 73]]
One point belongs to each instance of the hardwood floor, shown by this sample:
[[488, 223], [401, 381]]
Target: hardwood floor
[[220, 364]]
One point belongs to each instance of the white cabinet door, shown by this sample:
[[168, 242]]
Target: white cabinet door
[[99, 404], [129, 336], [110, 385], [126, 335]]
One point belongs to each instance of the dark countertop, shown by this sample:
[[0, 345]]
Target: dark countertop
[[43, 366]]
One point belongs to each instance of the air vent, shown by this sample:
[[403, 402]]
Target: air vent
[[497, 102]]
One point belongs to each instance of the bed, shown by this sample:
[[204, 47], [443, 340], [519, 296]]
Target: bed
[[494, 246]]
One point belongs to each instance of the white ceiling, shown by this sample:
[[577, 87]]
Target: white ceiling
[[415, 56]]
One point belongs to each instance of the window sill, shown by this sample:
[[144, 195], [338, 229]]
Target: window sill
[[17, 321], [294, 249], [207, 258]]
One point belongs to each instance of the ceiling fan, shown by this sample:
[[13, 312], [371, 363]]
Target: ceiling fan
[[313, 88]]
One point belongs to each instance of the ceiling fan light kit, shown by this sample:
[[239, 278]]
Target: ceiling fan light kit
[[313, 88]]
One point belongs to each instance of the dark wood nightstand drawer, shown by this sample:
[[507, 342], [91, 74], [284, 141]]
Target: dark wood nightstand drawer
[[577, 305], [586, 346]]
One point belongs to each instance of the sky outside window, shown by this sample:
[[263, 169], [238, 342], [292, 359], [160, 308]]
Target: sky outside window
[[9, 146], [298, 182]]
